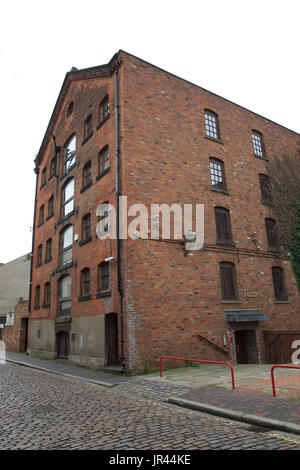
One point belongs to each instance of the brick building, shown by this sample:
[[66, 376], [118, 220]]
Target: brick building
[[130, 128], [14, 294]]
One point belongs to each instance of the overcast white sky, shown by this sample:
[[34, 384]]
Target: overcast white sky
[[246, 51]]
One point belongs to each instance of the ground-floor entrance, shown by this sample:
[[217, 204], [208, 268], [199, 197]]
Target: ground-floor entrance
[[246, 347], [62, 344], [111, 337]]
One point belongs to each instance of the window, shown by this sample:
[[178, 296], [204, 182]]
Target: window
[[64, 295], [37, 298], [258, 144], [272, 235], [223, 225], [53, 167], [51, 206], [265, 187], [103, 160], [44, 176], [69, 153], [85, 282], [49, 250], [68, 198], [279, 284], [88, 127], [217, 174], [103, 277], [104, 109], [39, 255], [66, 240], [42, 215], [103, 219], [87, 174], [228, 281], [47, 293], [70, 108], [211, 124], [86, 227]]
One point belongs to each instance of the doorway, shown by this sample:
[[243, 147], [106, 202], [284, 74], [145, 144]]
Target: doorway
[[24, 335], [246, 347], [111, 334], [62, 342]]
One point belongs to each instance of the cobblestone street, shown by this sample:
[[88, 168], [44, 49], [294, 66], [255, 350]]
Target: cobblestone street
[[39, 410]]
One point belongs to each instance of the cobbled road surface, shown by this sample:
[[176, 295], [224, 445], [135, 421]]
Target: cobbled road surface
[[39, 410]]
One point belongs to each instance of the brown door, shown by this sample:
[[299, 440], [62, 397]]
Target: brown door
[[111, 321], [23, 334], [62, 344], [241, 347]]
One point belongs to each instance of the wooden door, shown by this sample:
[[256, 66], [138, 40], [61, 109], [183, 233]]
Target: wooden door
[[241, 347], [62, 344], [112, 338]]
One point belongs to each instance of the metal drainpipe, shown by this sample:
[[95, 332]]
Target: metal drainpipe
[[120, 287], [36, 170]]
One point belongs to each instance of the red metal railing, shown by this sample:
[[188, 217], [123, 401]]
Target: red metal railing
[[272, 374], [198, 360]]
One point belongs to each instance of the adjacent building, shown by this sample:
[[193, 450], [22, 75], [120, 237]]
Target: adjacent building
[[14, 293], [131, 129]]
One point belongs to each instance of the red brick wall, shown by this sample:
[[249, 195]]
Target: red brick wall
[[86, 95], [170, 298], [14, 336]]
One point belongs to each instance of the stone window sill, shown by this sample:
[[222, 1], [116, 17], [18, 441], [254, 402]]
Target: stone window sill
[[83, 298], [87, 138], [236, 301], [86, 186], [64, 267], [84, 242], [98, 177], [103, 121], [222, 191], [49, 216], [219, 141], [282, 301], [103, 293]]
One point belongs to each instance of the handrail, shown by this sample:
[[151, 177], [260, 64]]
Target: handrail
[[272, 374], [198, 360], [213, 345]]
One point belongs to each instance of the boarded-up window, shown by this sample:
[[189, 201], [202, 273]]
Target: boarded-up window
[[272, 235], [228, 281], [223, 225], [279, 283], [265, 186]]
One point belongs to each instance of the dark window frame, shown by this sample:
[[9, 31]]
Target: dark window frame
[[69, 159], [103, 276], [265, 188], [212, 125], [64, 300], [103, 160], [85, 282], [223, 225], [258, 144], [37, 297], [88, 127], [86, 231], [65, 202], [87, 174], [272, 233], [217, 171], [228, 281], [279, 283], [47, 293], [68, 250], [104, 109]]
